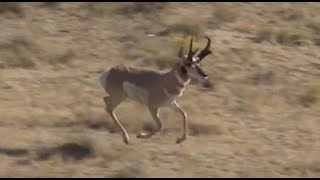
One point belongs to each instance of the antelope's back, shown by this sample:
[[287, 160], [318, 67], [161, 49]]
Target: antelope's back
[[113, 79]]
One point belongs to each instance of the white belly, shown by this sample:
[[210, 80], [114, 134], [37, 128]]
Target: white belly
[[135, 92]]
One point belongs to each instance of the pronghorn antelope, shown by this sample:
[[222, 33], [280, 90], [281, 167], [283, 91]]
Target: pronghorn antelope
[[153, 89]]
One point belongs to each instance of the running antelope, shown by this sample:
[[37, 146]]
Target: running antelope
[[153, 89]]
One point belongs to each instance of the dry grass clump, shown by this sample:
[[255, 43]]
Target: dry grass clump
[[311, 95], [129, 172], [283, 36], [184, 29], [264, 34], [290, 37], [142, 7], [292, 14], [315, 27], [14, 7], [126, 8], [224, 14], [198, 129], [244, 26], [17, 53], [26, 52]]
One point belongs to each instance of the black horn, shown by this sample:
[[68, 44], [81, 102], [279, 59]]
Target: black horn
[[191, 53], [206, 51]]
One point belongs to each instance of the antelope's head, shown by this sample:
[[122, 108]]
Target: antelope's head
[[190, 63]]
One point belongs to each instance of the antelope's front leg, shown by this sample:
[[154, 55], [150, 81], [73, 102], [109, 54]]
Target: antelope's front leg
[[155, 115], [184, 123]]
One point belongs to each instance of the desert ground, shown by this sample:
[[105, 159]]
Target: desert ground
[[259, 118]]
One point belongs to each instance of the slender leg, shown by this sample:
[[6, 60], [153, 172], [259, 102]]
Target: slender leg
[[184, 123], [155, 115], [111, 104]]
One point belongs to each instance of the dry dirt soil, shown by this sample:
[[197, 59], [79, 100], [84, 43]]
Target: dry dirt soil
[[260, 117]]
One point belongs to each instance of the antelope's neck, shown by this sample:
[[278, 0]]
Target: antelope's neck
[[175, 81]]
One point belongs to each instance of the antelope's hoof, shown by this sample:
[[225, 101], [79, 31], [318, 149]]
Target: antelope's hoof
[[180, 140], [126, 138], [144, 135]]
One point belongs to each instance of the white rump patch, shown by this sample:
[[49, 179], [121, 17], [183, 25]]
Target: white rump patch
[[103, 79], [135, 92]]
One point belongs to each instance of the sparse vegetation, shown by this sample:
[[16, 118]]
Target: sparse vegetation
[[92, 120], [259, 113], [142, 7], [290, 37], [315, 27], [68, 151], [292, 14], [185, 29], [225, 14], [51, 4], [129, 172], [164, 62], [311, 95], [14, 7], [266, 77], [14, 151], [25, 58], [126, 9], [265, 34], [317, 41], [284, 36], [304, 168], [17, 54], [1, 79], [100, 9], [63, 57], [244, 26], [246, 53], [205, 129]]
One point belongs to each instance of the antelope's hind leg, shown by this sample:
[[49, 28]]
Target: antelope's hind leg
[[111, 104], [155, 115]]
